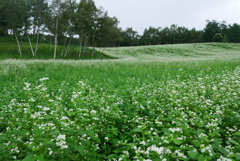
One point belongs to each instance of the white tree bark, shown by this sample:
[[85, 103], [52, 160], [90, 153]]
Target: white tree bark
[[55, 47], [19, 47], [30, 43], [37, 43], [56, 40]]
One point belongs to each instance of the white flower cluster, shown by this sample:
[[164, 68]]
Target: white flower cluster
[[224, 159], [15, 150], [46, 109], [179, 154], [160, 150], [208, 149], [175, 130], [61, 142], [27, 88]]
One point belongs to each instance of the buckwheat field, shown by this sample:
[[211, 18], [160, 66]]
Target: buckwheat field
[[169, 102]]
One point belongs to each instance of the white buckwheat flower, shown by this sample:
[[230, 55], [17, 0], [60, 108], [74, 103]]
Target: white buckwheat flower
[[44, 78]]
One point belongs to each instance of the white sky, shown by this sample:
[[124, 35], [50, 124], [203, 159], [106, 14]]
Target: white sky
[[140, 14]]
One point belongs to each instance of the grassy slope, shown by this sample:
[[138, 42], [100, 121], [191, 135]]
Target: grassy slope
[[205, 51], [9, 50]]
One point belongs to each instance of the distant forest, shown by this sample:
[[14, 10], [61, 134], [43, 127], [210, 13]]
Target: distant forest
[[64, 22]]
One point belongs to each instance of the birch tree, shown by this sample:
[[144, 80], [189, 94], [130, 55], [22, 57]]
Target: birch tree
[[38, 11], [67, 22], [84, 22], [16, 17], [52, 21]]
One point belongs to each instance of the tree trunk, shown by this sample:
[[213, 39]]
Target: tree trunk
[[103, 49], [38, 31], [37, 43], [30, 43], [93, 51], [93, 44], [50, 42], [34, 26], [63, 46], [85, 46], [55, 47], [19, 47], [68, 48], [56, 40], [80, 48]]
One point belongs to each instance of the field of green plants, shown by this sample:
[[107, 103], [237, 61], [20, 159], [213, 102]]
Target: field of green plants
[[169, 102]]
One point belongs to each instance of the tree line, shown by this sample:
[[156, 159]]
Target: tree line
[[67, 22], [214, 31], [61, 22]]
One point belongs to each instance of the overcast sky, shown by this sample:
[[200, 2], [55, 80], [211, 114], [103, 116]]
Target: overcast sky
[[140, 14]]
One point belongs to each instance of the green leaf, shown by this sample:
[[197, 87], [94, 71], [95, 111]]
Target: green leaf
[[196, 143], [237, 133], [237, 156], [222, 150], [29, 158], [112, 156], [137, 130], [192, 154], [115, 132], [178, 142], [40, 157], [129, 144], [1, 147], [80, 149], [70, 114], [233, 142], [201, 158]]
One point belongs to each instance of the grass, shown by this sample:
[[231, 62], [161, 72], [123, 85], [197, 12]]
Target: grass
[[152, 103]]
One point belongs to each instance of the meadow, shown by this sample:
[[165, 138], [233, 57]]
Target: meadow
[[168, 102]]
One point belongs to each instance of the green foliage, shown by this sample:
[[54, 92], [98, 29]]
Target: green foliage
[[218, 37], [211, 29], [234, 33]]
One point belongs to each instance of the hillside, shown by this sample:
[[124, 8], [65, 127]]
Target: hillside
[[201, 51], [198, 51], [9, 50]]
